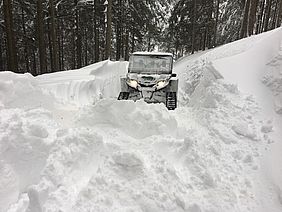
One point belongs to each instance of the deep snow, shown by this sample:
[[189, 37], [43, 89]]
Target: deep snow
[[67, 144]]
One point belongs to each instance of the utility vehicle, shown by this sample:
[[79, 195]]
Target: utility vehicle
[[150, 78]]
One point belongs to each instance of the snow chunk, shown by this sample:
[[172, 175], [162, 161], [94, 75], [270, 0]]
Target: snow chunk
[[138, 119], [127, 159], [243, 130], [129, 165], [38, 131]]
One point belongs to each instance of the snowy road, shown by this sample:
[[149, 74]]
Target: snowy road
[[67, 144]]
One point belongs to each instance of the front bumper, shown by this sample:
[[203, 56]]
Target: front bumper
[[149, 95]]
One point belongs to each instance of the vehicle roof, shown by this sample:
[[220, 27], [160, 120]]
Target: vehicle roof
[[153, 53]]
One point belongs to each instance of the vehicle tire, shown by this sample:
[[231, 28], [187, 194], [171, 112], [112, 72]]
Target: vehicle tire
[[123, 96], [171, 100]]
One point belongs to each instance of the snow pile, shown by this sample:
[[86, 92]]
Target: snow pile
[[25, 140], [22, 91], [86, 151], [105, 164], [86, 85], [252, 64], [273, 79], [133, 118]]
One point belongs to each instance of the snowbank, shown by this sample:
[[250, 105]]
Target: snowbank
[[22, 90], [87, 85], [162, 161], [67, 144], [251, 65]]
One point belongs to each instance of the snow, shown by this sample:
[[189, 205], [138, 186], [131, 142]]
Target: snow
[[67, 144]]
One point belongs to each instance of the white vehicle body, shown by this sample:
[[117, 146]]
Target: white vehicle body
[[150, 77]]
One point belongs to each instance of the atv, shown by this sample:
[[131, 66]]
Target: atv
[[150, 78]]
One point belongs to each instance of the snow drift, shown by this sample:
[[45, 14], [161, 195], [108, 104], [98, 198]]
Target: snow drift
[[87, 85], [67, 144]]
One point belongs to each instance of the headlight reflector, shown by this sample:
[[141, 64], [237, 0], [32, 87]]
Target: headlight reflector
[[132, 83], [161, 84]]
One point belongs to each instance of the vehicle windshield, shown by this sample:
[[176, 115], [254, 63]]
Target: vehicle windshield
[[150, 64]]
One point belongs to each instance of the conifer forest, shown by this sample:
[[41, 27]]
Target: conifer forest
[[43, 36]]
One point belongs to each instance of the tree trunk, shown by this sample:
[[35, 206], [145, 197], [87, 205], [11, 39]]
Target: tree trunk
[[78, 40], [1, 58], [34, 67], [205, 35], [126, 51], [260, 17], [118, 41], [193, 27], [50, 47], [279, 19], [12, 61], [86, 47], [244, 25], [25, 44], [274, 17], [61, 45], [149, 44], [118, 31], [216, 23], [73, 54], [122, 44], [267, 15], [252, 16], [53, 34], [132, 42], [62, 50], [109, 30], [210, 25], [41, 38], [96, 33]]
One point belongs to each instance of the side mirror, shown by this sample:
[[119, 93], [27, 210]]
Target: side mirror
[[173, 75]]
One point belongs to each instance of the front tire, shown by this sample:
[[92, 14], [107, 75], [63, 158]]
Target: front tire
[[171, 100], [123, 96]]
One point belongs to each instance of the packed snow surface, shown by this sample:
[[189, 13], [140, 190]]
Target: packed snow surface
[[67, 144]]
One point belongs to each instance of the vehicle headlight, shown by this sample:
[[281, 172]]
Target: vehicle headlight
[[132, 83], [161, 84]]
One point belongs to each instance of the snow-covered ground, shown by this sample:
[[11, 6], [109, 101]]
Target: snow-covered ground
[[67, 144]]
